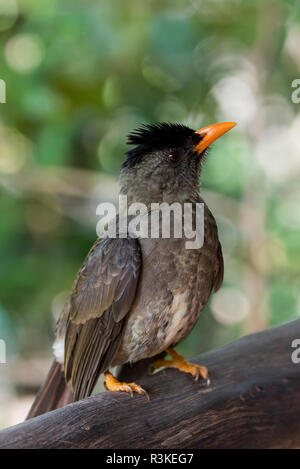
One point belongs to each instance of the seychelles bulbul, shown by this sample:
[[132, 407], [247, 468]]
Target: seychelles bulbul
[[134, 298]]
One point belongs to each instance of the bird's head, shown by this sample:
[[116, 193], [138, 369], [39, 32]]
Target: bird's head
[[165, 163]]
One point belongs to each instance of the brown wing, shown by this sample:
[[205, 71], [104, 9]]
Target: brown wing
[[219, 269], [102, 296]]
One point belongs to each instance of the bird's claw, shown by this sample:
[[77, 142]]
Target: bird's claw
[[197, 371], [133, 387], [113, 384], [181, 364], [128, 389]]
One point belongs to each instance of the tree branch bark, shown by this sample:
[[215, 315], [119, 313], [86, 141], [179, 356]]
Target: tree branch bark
[[253, 402]]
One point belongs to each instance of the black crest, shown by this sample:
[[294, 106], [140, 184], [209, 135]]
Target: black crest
[[155, 137]]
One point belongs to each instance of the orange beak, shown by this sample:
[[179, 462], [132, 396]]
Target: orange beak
[[210, 133]]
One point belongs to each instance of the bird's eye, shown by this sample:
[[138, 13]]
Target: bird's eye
[[174, 156]]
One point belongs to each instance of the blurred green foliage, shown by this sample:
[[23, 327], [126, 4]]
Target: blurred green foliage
[[79, 76]]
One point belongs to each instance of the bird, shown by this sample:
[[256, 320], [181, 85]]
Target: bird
[[135, 298]]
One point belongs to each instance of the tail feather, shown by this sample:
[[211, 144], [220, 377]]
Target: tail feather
[[55, 393]]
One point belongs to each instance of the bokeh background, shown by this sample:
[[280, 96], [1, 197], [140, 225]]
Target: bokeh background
[[79, 76]]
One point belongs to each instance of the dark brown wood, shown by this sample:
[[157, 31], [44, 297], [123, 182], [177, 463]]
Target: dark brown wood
[[253, 402]]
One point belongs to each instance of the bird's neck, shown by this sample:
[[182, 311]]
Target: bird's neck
[[169, 197]]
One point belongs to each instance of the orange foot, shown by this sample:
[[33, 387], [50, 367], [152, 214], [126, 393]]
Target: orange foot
[[181, 364], [112, 384]]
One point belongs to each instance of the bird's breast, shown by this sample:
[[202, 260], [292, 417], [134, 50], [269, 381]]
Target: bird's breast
[[165, 308], [177, 319], [174, 286]]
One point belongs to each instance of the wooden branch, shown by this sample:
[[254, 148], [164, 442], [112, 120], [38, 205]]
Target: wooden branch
[[253, 402]]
